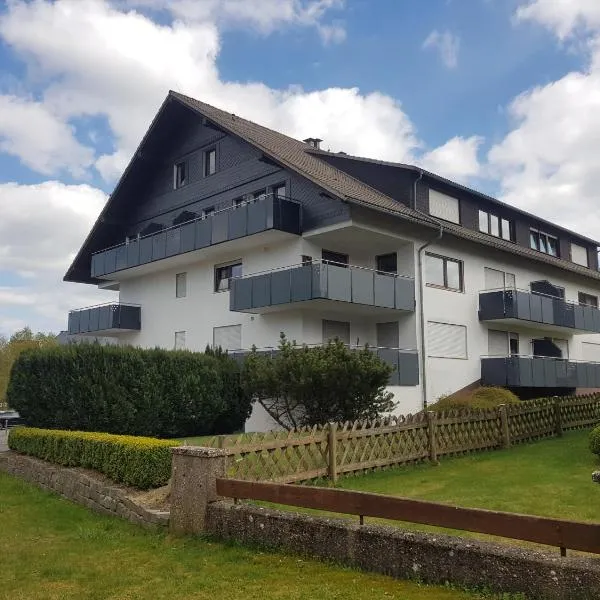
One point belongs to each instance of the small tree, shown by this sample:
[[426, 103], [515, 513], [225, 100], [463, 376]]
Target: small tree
[[302, 385]]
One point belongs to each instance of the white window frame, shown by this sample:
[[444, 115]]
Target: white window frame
[[180, 340], [181, 285]]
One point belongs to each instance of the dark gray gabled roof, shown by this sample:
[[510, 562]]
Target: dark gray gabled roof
[[304, 160]]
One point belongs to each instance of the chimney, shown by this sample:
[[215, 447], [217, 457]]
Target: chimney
[[314, 142]]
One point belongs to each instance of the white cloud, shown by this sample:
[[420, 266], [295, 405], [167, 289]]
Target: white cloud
[[447, 44], [264, 16], [41, 228], [43, 142], [564, 17], [457, 159]]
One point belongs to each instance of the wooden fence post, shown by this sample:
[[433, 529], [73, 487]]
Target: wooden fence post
[[504, 428], [332, 451], [431, 432], [220, 441], [558, 417]]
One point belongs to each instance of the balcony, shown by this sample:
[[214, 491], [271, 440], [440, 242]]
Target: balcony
[[106, 319], [404, 362], [538, 311], [231, 223], [322, 284], [539, 372]]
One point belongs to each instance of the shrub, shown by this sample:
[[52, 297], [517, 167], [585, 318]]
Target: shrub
[[301, 385], [125, 390], [595, 440], [481, 398], [136, 461]]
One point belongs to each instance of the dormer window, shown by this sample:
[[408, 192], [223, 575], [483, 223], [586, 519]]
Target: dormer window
[[494, 225], [543, 242], [180, 175]]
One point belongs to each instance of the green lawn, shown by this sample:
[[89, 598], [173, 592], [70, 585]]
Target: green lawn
[[549, 478], [53, 549]]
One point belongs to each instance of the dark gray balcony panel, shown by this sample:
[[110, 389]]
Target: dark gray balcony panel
[[408, 368], [537, 371], [107, 317], [302, 281], [323, 282], [238, 222], [203, 233], [362, 288], [384, 290], [133, 253], [187, 237], [390, 356], [145, 251], [544, 310], [173, 246], [221, 226], [159, 245]]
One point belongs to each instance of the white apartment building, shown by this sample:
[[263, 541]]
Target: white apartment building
[[223, 232]]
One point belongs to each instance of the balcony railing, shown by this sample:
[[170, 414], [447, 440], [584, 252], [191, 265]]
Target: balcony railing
[[539, 309], [234, 222], [106, 318], [405, 363], [539, 372], [321, 281]]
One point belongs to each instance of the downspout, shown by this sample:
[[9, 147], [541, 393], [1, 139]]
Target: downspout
[[422, 349]]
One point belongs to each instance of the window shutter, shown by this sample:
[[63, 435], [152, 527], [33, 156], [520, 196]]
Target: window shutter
[[180, 340], [497, 343], [388, 335], [590, 351], [579, 255], [446, 341], [228, 338], [336, 329], [444, 207]]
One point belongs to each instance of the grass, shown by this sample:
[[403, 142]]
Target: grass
[[53, 549]]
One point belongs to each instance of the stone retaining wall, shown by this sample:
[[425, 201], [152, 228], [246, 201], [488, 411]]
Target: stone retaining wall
[[431, 558], [75, 485]]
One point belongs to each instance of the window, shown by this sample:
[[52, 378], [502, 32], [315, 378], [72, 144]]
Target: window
[[207, 212], [210, 162], [579, 255], [387, 263], [444, 272], [306, 260], [444, 207], [180, 175], [336, 330], [494, 225], [498, 280], [543, 242], [334, 258], [590, 352], [388, 335], [180, 340], [587, 299], [224, 274], [228, 338], [279, 191], [445, 340], [181, 285], [502, 343]]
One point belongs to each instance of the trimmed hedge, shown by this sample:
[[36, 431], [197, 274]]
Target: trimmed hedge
[[127, 390], [480, 398], [135, 461], [595, 440]]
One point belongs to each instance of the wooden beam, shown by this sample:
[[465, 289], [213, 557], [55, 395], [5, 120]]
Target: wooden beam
[[574, 535]]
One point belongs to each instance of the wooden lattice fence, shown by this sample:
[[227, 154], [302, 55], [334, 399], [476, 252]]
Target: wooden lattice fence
[[328, 451]]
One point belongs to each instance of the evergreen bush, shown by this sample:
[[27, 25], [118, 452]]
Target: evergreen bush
[[480, 398]]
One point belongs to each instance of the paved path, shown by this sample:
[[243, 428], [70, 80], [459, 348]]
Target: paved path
[[3, 438]]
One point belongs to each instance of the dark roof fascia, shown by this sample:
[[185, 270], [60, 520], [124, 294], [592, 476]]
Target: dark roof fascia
[[112, 197], [454, 184]]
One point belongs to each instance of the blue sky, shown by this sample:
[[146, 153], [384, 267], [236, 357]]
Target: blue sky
[[498, 94]]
